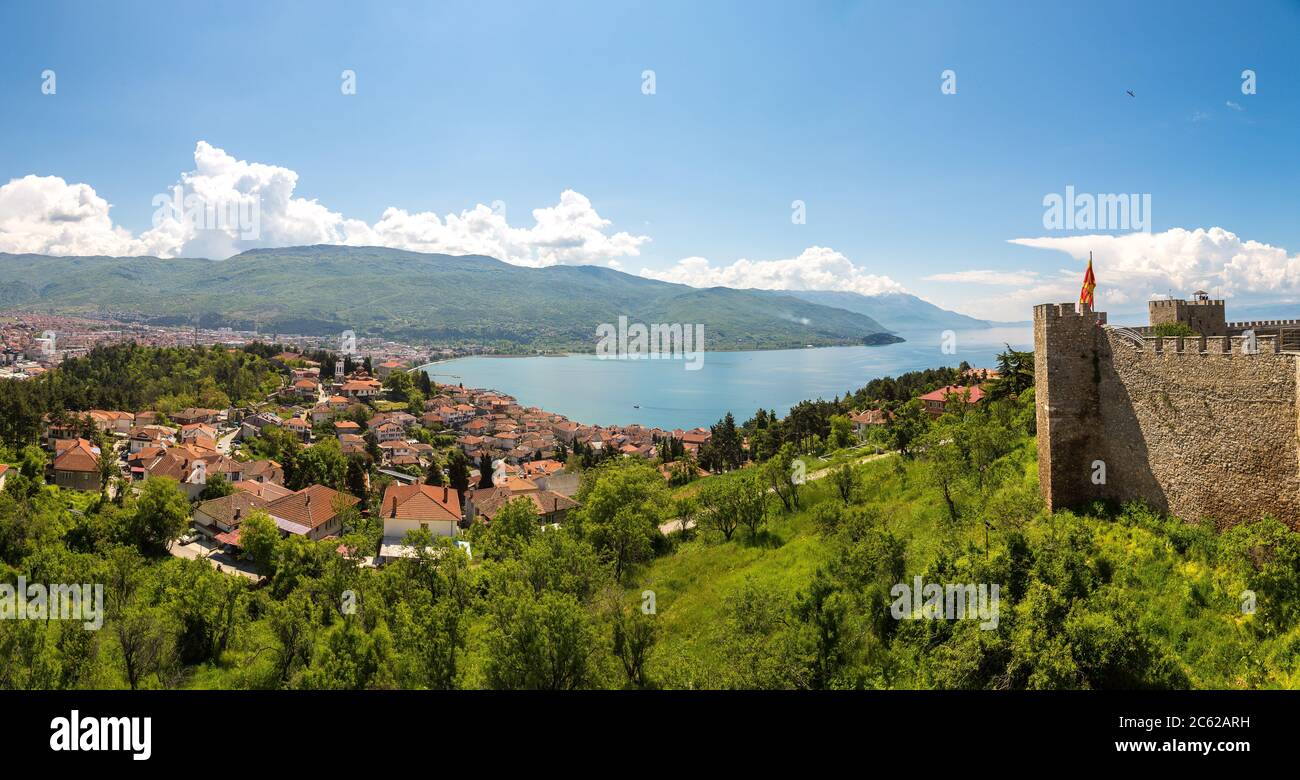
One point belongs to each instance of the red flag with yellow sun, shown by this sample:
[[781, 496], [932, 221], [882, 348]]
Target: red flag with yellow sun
[[1089, 284]]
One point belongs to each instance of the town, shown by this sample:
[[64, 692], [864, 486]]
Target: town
[[446, 455]]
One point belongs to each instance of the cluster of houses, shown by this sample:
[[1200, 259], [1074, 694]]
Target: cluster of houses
[[192, 445], [968, 393]]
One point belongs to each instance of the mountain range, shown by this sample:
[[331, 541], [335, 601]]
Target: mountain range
[[322, 290]]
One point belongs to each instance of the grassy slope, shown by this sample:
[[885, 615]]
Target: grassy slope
[[1188, 604]]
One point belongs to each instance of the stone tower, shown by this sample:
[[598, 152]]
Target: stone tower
[[1201, 314], [1066, 386]]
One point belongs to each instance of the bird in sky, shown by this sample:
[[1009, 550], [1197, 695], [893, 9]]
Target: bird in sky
[[1130, 93]]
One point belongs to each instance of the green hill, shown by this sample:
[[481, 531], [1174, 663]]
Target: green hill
[[322, 290]]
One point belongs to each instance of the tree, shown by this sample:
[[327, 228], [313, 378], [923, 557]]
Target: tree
[[908, 423], [634, 635], [356, 478], [841, 431], [845, 480], [622, 511], [321, 464], [537, 642], [293, 623], [1016, 371], [715, 511], [260, 538], [33, 463], [217, 486], [434, 475], [946, 466], [822, 610], [350, 659], [731, 503], [725, 445], [784, 474], [161, 514], [458, 470], [144, 639], [511, 530], [485, 471]]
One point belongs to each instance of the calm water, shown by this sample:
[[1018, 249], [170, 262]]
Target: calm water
[[589, 390]]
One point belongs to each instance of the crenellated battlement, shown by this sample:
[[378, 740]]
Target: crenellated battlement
[[1264, 324], [1068, 311], [1209, 345]]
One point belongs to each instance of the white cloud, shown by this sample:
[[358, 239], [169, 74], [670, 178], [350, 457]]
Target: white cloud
[[46, 215], [1134, 267], [244, 205], [816, 268], [1234, 105]]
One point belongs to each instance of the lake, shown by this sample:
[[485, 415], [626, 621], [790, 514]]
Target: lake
[[590, 390]]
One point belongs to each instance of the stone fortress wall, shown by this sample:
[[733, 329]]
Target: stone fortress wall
[[1203, 427]]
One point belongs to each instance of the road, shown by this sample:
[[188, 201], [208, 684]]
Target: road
[[209, 551], [224, 443], [675, 525]]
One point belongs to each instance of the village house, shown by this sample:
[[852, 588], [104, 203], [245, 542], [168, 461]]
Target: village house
[[191, 467], [264, 471], [197, 431], [251, 427], [396, 449], [361, 389], [112, 422], [352, 444], [76, 465], [299, 427], [550, 506], [389, 432], [315, 509], [150, 436], [189, 416], [267, 491], [224, 515], [4, 474], [386, 369], [948, 397], [406, 508], [869, 418]]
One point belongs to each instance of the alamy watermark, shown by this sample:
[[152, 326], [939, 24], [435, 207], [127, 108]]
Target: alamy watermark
[[954, 601], [38, 601], [1103, 211], [657, 341], [91, 733]]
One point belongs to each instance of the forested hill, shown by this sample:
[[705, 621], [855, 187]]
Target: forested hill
[[321, 290]]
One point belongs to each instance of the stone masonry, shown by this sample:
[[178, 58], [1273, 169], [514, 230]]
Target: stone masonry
[[1202, 427]]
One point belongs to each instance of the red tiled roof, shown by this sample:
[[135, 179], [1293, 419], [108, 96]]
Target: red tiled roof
[[421, 502], [312, 506], [79, 457], [969, 394]]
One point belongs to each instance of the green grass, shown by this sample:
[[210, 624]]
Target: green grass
[[1187, 601]]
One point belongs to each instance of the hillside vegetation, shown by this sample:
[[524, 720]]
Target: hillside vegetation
[[323, 290], [785, 578]]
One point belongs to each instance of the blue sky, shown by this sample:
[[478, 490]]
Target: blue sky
[[756, 105]]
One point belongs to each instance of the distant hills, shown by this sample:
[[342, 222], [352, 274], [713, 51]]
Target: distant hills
[[323, 290], [898, 311]]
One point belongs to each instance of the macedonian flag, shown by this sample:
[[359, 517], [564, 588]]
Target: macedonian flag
[[1089, 284]]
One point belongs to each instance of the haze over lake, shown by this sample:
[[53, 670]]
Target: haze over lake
[[589, 390]]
